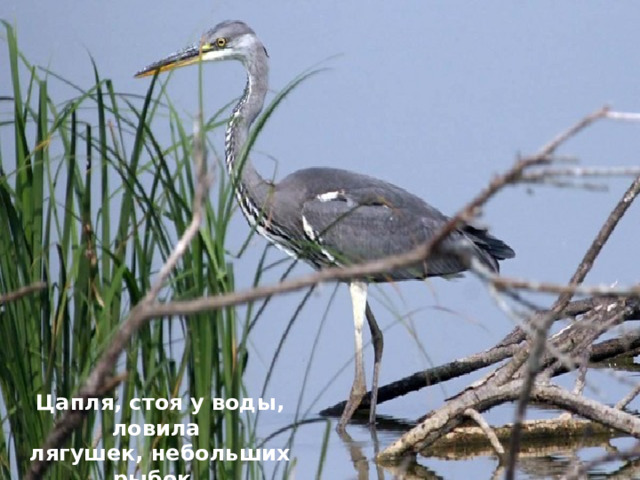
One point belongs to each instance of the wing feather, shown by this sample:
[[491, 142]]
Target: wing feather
[[360, 226]]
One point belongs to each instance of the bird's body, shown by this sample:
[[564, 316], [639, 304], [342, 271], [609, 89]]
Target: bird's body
[[376, 219], [330, 216]]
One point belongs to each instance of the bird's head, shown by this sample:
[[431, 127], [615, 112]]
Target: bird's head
[[230, 40]]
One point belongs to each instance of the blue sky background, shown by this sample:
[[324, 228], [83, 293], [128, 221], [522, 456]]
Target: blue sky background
[[436, 97]]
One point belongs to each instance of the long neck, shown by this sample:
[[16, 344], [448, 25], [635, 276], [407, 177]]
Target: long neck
[[242, 172]]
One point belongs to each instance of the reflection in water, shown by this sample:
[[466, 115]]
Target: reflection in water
[[541, 456], [407, 469]]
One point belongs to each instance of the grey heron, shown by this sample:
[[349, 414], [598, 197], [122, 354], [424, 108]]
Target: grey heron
[[347, 217]]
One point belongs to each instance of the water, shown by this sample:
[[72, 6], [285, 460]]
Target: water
[[352, 457]]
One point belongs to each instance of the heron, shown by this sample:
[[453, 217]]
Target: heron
[[328, 216]]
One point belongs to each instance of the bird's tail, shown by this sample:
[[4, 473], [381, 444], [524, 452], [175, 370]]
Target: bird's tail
[[489, 245]]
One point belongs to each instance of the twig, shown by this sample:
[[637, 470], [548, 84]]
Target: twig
[[486, 429], [546, 173], [627, 398], [626, 116], [577, 339], [22, 292], [550, 148], [511, 283], [573, 309], [556, 183]]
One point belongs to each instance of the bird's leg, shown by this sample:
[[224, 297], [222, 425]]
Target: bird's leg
[[358, 292], [378, 345]]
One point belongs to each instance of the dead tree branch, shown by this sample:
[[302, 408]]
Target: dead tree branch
[[486, 430], [451, 415], [22, 292]]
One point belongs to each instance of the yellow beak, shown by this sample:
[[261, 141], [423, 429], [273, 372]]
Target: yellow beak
[[190, 55]]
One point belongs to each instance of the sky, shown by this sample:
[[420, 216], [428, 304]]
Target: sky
[[436, 97]]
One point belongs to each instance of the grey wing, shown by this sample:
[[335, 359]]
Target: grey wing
[[365, 224]]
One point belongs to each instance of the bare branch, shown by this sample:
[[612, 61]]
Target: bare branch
[[552, 146], [625, 116], [542, 174], [450, 416], [22, 292], [510, 283], [627, 398], [486, 429]]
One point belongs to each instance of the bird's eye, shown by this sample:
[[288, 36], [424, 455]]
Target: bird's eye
[[221, 42]]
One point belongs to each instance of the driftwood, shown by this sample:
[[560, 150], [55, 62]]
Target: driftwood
[[539, 437]]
